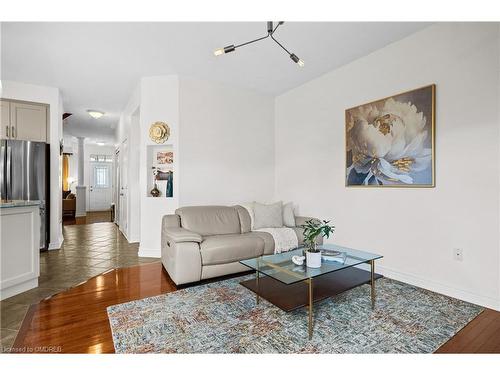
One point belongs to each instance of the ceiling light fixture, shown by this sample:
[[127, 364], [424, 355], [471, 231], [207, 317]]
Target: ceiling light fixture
[[270, 33], [95, 114]]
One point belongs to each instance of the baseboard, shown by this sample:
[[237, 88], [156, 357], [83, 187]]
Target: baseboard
[[149, 253], [19, 288], [133, 240], [57, 244], [124, 234], [437, 287]]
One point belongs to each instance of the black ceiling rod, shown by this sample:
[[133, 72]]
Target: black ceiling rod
[[270, 33], [232, 47]]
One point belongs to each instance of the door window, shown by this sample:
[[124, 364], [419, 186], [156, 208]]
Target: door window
[[101, 177]]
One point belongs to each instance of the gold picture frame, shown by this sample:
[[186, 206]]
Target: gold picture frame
[[403, 112]]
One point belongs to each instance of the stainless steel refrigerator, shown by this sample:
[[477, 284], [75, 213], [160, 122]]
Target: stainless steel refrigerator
[[24, 175]]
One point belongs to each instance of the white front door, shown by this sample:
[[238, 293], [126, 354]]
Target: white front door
[[100, 186]]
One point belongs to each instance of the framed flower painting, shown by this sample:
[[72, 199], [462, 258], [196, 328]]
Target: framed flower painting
[[390, 142]]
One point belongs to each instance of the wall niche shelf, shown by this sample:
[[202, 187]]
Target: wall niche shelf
[[160, 169]]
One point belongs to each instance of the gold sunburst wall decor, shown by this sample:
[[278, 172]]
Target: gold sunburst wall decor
[[159, 132]]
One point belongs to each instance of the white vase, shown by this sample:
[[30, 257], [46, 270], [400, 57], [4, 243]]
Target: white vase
[[313, 260]]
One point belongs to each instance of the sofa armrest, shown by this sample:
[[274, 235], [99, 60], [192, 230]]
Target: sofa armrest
[[301, 220], [179, 235]]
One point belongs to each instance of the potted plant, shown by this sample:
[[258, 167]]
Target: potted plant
[[312, 229]]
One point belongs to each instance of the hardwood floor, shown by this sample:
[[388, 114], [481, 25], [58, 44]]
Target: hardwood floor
[[87, 251], [92, 217], [75, 321], [482, 335]]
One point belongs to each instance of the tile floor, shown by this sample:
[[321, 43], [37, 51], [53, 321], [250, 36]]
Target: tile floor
[[88, 250]]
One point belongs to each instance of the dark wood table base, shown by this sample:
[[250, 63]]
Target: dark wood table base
[[294, 296]]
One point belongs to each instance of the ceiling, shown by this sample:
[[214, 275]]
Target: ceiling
[[97, 65]]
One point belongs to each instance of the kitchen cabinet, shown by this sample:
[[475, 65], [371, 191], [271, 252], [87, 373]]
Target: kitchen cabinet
[[4, 119], [24, 121], [19, 247]]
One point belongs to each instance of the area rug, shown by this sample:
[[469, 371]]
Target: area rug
[[222, 317]]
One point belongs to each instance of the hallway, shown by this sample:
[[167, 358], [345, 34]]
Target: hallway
[[88, 250], [93, 217]]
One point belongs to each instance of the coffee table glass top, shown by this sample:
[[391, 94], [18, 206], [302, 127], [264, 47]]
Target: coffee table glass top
[[281, 267]]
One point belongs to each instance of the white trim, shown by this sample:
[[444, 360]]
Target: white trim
[[56, 245], [134, 240], [150, 253], [124, 233], [438, 287], [19, 288]]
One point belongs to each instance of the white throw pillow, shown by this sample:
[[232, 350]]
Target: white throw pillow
[[288, 215], [268, 215]]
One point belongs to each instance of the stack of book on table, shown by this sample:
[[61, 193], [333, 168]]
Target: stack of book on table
[[333, 256]]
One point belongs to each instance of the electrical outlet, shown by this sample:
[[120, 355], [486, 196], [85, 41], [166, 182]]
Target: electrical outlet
[[458, 254]]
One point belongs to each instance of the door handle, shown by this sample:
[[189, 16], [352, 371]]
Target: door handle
[[7, 131], [13, 132]]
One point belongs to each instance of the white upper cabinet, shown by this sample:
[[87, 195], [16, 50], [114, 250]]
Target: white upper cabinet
[[28, 122], [4, 119]]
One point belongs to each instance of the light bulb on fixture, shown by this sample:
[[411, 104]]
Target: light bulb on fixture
[[271, 30], [95, 114], [100, 143], [222, 51], [295, 59]]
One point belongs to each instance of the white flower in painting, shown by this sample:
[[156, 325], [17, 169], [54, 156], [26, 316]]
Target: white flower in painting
[[388, 143]]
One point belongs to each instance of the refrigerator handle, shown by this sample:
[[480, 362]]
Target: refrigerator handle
[[7, 128], [8, 187]]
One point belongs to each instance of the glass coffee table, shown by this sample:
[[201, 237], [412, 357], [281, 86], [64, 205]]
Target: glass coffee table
[[289, 286]]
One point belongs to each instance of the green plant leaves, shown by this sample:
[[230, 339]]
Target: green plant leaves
[[314, 228]]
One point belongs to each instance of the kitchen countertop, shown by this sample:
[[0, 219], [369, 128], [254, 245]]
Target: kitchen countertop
[[18, 203]]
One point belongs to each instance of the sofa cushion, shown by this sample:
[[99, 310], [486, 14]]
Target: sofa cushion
[[268, 241], [245, 219], [249, 207], [229, 248], [210, 220]]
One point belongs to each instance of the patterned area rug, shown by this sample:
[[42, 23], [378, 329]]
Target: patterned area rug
[[222, 317]]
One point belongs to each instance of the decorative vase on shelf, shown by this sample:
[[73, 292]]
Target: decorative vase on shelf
[[154, 191]]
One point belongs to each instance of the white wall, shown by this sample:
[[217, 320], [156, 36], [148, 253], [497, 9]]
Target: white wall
[[128, 138], [223, 140], [52, 97], [227, 144], [159, 102], [415, 229]]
